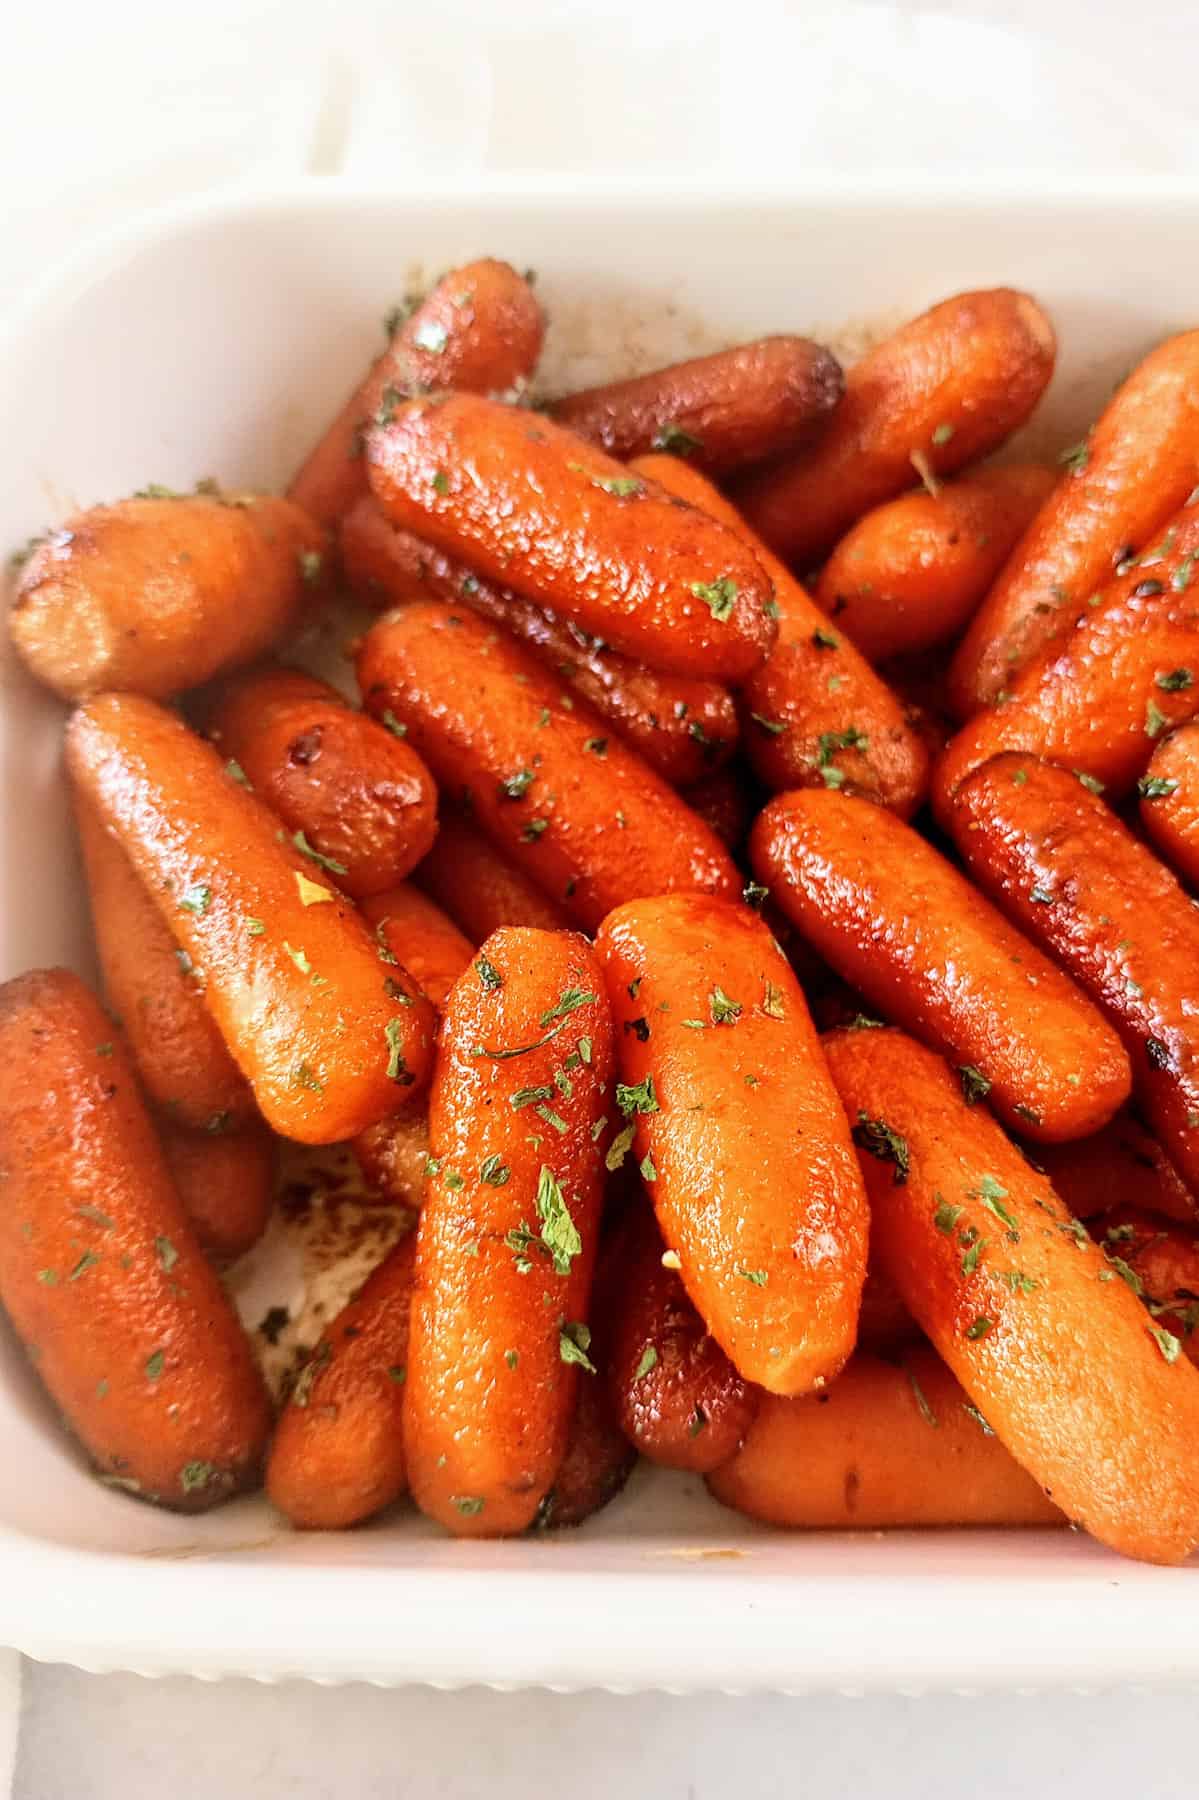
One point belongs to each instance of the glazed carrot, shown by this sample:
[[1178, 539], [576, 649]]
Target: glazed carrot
[[721, 411], [1088, 1394], [908, 576], [100, 1274], [1120, 1165], [884, 1322], [726, 803], [738, 1134], [157, 595], [889, 1445], [1160, 1263], [899, 923], [479, 329], [598, 1461], [1169, 791], [392, 1156], [681, 727], [338, 1451], [328, 1038], [225, 1180], [530, 505], [815, 712], [945, 390], [1099, 700], [507, 1237], [570, 804], [420, 936], [1136, 468], [157, 992], [362, 797], [479, 888], [1060, 862], [676, 1394]]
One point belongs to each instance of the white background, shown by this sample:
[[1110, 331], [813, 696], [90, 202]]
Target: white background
[[110, 108]]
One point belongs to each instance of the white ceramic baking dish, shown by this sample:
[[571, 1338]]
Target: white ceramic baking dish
[[216, 340]]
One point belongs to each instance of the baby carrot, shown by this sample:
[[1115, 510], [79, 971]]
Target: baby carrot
[[480, 888], [597, 1463], [1120, 1165], [1169, 792], [1160, 1263], [225, 1180], [393, 1156], [421, 937], [726, 802]]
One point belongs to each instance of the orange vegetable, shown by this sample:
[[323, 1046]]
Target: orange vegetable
[[327, 1036], [508, 1234], [682, 727], [945, 390], [338, 1451], [392, 1156], [597, 1463], [480, 329], [100, 1274], [479, 888], [908, 575], [815, 712], [738, 1134], [720, 411], [901, 925], [573, 806], [1169, 793], [1160, 1262], [1136, 467], [157, 595], [889, 1445], [421, 937], [538, 509], [1088, 1394], [225, 1180], [1120, 1165], [726, 802]]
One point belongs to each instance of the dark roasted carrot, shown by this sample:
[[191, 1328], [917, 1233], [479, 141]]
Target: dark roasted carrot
[[420, 936], [726, 803], [1122, 1165], [597, 1463], [1169, 791], [1055, 1351], [480, 888], [900, 924], [393, 1155], [943, 391], [540, 510], [327, 1035], [100, 1274], [225, 1179], [1160, 1262]]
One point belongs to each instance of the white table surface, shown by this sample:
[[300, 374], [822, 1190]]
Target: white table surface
[[112, 108]]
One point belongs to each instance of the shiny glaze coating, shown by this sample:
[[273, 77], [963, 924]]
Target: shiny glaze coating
[[100, 1273], [676, 1394], [900, 924], [421, 936], [599, 1460], [313, 1016], [504, 1261], [889, 1445], [157, 595], [1138, 464], [755, 1186], [721, 411], [1170, 801], [681, 727], [908, 576], [479, 887], [1164, 1259], [1120, 1165], [1051, 1346], [157, 994], [550, 516], [589, 821], [948, 387], [480, 329], [1110, 913], [338, 1451], [1099, 700], [360, 795], [226, 1181], [814, 712]]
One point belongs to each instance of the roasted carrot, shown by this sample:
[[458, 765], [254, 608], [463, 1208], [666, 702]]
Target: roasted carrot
[[508, 1234], [1099, 700], [1060, 862], [597, 1463], [676, 1394], [338, 1451], [1169, 791], [682, 727], [738, 1134], [550, 516], [726, 803], [572, 805], [225, 1180], [328, 1037], [908, 576], [1134, 469], [1160, 1263], [420, 936], [815, 712], [155, 595], [720, 411], [884, 1322], [889, 1445], [945, 390], [1085, 1390], [1120, 1165], [393, 1154], [479, 329], [480, 888], [900, 924], [157, 992], [100, 1273]]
